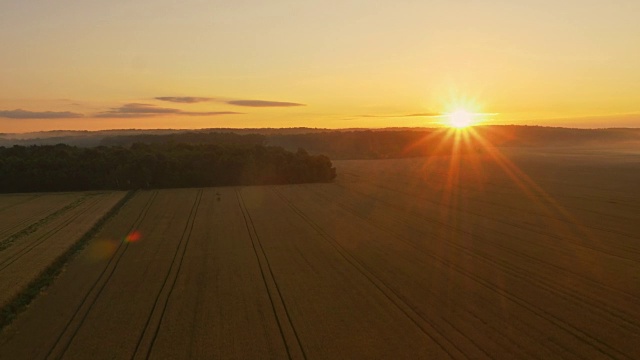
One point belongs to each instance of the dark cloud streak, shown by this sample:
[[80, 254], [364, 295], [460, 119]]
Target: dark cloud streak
[[184, 99], [115, 115], [133, 110], [263, 103], [25, 114], [209, 113], [237, 102]]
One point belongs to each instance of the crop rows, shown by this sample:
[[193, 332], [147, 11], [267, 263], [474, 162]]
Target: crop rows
[[31, 253], [22, 217], [382, 263]]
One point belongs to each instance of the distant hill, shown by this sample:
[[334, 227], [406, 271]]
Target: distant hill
[[411, 143], [553, 136], [351, 143]]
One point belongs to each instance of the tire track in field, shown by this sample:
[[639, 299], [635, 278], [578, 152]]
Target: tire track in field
[[535, 230], [290, 337], [27, 249], [12, 238], [513, 343], [593, 305], [421, 323], [524, 329], [73, 325], [148, 336], [515, 271], [537, 311], [549, 244]]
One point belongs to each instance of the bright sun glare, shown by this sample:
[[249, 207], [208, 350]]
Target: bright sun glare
[[460, 119]]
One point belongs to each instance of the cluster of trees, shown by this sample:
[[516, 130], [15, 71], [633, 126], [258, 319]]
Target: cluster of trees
[[162, 165]]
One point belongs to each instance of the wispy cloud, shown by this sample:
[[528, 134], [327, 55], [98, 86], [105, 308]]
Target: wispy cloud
[[263, 103], [184, 99], [25, 114], [138, 108], [207, 113], [116, 115], [133, 110], [236, 102], [402, 115]]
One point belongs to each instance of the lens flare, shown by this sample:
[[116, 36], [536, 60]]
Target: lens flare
[[101, 249], [133, 236]]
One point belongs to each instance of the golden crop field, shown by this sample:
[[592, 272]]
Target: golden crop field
[[40, 229], [529, 254]]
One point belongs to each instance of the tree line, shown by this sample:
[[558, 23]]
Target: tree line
[[157, 165]]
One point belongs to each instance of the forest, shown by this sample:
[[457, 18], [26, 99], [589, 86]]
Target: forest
[[157, 165]]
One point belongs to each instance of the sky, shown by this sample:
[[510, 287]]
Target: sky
[[119, 64]]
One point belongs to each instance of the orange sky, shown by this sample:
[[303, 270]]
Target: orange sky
[[337, 64]]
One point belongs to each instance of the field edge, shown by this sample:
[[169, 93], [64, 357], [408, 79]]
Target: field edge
[[22, 300]]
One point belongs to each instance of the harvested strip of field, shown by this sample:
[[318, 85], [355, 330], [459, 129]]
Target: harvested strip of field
[[371, 266], [31, 213], [21, 263]]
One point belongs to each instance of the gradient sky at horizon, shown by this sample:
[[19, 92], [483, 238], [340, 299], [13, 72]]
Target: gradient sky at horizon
[[246, 63]]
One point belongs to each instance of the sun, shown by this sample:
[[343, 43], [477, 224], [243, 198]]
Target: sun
[[460, 118]]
